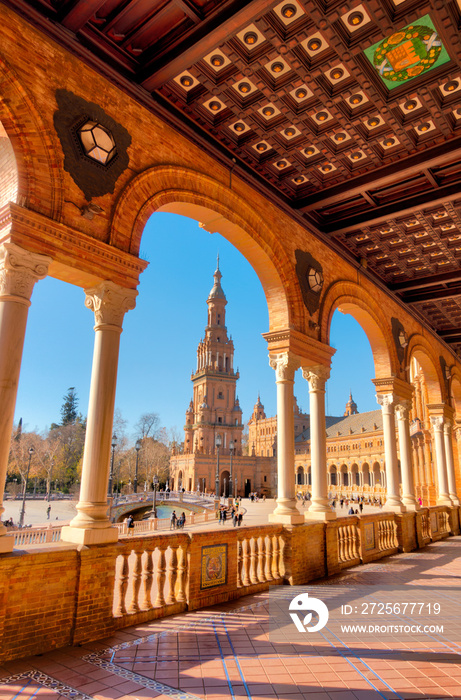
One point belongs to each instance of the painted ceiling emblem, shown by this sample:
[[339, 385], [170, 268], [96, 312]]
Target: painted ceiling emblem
[[408, 53]]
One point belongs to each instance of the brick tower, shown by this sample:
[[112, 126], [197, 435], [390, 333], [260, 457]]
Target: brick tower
[[214, 409]]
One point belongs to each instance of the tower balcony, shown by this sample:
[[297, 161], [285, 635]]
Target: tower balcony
[[213, 372]]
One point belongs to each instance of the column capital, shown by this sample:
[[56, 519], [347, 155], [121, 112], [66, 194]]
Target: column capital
[[285, 365], [317, 377], [402, 410], [386, 400], [19, 271], [110, 302], [437, 423]]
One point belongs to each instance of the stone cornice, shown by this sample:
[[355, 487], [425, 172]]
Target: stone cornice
[[309, 351], [77, 257], [402, 390]]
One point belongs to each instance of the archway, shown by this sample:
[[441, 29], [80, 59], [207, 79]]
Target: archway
[[224, 484]]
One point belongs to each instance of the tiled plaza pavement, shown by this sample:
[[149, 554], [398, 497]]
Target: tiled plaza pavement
[[226, 652]]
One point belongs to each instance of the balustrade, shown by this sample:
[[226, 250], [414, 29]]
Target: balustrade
[[150, 574], [258, 559]]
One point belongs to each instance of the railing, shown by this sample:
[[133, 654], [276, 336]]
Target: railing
[[347, 543], [29, 535], [387, 534], [162, 524], [260, 560], [151, 574]]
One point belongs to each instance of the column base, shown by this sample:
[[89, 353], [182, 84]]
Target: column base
[[320, 515], [454, 499], [411, 503], [87, 536], [395, 506], [286, 518], [6, 544], [444, 500]]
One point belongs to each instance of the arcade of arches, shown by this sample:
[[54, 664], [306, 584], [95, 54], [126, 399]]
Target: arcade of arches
[[84, 164]]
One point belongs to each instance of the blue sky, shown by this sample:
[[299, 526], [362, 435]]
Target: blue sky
[[160, 337]]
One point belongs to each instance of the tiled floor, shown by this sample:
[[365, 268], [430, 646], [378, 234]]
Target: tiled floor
[[230, 651]]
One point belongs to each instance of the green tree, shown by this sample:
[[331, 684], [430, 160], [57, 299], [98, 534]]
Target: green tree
[[69, 413]]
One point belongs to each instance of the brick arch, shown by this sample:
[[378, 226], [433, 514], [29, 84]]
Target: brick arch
[[353, 299], [182, 191], [35, 151], [422, 351]]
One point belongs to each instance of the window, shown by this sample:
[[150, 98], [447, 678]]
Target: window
[[265, 478], [219, 419], [220, 395]]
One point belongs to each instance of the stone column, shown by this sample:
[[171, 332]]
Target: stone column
[[320, 508], [19, 271], [447, 434], [91, 525], [402, 411], [286, 511], [393, 502], [443, 498]]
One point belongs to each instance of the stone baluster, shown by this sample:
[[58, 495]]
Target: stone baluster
[[19, 271], [340, 535], [246, 563], [147, 579], [122, 585], [161, 577], [181, 594], [172, 576], [253, 560], [136, 582], [261, 559], [268, 569], [275, 557], [239, 564]]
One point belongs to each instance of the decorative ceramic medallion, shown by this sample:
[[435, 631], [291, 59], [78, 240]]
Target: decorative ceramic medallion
[[310, 277], [408, 53]]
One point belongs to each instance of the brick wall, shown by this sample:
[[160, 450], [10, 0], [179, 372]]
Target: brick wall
[[64, 594]]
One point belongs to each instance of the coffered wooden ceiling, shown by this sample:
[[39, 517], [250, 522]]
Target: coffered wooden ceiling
[[348, 115]]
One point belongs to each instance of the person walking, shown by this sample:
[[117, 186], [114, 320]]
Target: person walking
[[173, 520], [130, 524], [220, 516], [48, 511], [240, 518], [224, 516]]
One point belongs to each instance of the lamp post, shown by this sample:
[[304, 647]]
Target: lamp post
[[23, 509], [218, 443], [231, 450], [236, 494], [111, 475], [154, 509], [137, 447], [224, 487], [203, 486]]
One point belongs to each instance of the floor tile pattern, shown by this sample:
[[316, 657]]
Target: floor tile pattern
[[226, 652]]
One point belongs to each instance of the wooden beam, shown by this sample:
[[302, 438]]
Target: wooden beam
[[453, 333], [403, 207], [431, 295], [210, 33], [387, 175], [80, 13], [424, 282]]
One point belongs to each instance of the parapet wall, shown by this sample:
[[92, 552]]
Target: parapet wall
[[65, 594]]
